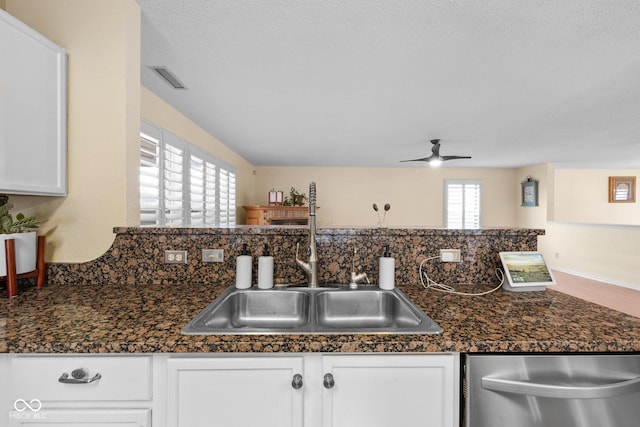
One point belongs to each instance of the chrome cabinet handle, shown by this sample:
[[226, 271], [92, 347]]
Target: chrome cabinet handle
[[562, 391], [78, 376], [328, 381], [297, 383]]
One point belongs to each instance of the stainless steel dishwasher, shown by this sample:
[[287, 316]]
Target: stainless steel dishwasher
[[552, 390]]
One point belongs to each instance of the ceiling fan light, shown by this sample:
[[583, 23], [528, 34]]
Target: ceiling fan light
[[435, 162]]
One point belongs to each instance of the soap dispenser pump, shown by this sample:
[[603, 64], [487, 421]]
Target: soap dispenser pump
[[243, 269], [265, 269], [387, 270]]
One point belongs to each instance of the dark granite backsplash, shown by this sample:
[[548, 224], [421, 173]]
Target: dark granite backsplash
[[137, 254]]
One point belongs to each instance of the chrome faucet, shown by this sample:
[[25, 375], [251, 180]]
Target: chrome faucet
[[356, 277], [311, 267]]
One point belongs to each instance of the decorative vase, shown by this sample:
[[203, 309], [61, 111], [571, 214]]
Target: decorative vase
[[26, 252]]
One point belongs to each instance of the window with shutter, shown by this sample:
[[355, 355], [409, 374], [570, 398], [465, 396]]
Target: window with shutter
[[149, 180], [462, 203], [182, 185]]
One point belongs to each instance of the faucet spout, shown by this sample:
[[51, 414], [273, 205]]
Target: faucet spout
[[311, 267]]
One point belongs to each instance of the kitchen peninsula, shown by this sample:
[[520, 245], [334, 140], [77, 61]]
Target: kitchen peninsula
[[116, 323]]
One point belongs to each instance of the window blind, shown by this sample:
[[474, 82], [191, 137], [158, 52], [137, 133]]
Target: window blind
[[462, 204], [149, 179], [182, 185]]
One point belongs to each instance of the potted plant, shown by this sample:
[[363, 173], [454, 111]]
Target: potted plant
[[295, 198], [21, 230]]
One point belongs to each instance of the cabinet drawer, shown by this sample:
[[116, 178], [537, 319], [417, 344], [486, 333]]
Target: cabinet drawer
[[121, 378]]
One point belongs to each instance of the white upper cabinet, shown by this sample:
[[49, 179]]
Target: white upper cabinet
[[33, 111]]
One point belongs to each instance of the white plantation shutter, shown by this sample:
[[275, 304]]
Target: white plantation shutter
[[174, 186], [203, 185], [462, 204], [181, 185], [196, 191], [210, 195], [149, 178], [227, 197]]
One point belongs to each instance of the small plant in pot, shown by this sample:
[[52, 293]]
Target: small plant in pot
[[21, 229], [295, 198]]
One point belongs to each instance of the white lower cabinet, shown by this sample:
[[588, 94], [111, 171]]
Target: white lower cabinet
[[230, 390], [235, 392], [396, 390], [79, 391], [314, 390]]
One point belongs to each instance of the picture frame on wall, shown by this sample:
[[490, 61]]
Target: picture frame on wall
[[622, 189], [529, 192]]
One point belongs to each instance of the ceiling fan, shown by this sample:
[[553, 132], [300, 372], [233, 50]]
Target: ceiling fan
[[435, 159]]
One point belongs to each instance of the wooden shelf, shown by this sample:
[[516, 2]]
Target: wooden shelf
[[277, 215]]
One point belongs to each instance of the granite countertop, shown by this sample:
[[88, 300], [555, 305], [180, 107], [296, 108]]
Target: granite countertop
[[72, 318]]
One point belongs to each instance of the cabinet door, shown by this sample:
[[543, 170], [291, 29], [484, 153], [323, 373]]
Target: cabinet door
[[389, 390], [80, 418], [33, 113], [234, 391]]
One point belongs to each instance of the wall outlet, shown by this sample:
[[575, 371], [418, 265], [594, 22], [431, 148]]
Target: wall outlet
[[213, 255], [175, 257], [450, 255]]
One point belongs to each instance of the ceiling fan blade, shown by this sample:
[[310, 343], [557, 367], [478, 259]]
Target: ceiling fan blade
[[435, 158], [454, 157], [424, 159]]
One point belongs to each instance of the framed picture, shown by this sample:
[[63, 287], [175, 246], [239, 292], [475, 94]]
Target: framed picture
[[530, 192], [622, 189]]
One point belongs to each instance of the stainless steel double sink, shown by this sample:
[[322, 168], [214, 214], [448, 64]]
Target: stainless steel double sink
[[322, 310]]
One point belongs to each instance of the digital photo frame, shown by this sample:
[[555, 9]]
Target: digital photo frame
[[525, 271]]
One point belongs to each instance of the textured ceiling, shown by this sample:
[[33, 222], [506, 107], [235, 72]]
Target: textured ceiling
[[369, 83]]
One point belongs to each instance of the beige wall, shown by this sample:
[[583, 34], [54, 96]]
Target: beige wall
[[582, 196], [608, 253], [346, 195], [589, 236], [535, 216], [157, 111], [102, 38]]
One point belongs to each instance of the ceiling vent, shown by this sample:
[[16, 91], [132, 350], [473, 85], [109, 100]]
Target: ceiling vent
[[169, 77]]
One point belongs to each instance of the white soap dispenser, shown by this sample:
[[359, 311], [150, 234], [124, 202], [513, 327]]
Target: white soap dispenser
[[243, 269], [387, 271], [265, 269]]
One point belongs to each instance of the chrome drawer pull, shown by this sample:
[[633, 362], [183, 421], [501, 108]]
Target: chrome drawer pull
[[79, 376]]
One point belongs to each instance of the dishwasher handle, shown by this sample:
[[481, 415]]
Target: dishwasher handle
[[561, 391]]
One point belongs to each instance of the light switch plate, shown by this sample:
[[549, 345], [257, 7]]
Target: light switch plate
[[213, 255]]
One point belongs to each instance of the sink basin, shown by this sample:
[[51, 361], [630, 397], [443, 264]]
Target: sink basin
[[247, 309], [365, 309], [324, 310]]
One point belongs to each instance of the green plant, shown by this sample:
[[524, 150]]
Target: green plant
[[295, 198], [7, 223]]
